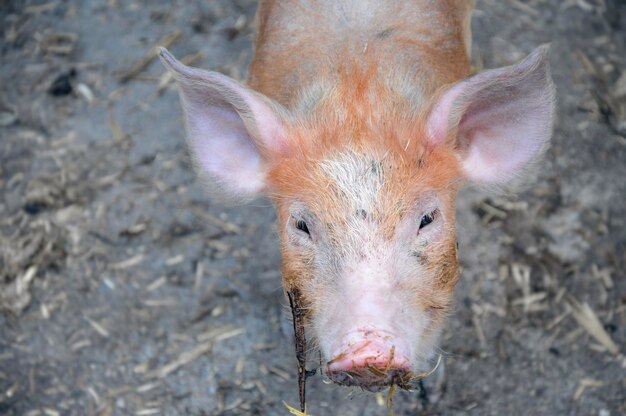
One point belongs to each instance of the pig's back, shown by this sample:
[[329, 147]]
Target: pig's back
[[300, 41]]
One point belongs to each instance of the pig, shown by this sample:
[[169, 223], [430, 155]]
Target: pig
[[361, 121]]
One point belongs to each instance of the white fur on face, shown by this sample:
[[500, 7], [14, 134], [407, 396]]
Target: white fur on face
[[357, 183]]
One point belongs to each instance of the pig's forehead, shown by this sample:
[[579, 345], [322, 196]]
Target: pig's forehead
[[355, 179], [362, 184]]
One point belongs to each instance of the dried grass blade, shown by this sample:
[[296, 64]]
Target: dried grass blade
[[587, 319], [295, 411]]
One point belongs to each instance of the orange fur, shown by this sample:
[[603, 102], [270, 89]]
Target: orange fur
[[360, 115], [370, 94], [300, 42]]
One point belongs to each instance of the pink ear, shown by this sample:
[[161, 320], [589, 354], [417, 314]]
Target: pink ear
[[498, 120], [229, 128]]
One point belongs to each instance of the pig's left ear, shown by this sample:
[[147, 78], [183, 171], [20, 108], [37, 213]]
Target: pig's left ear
[[231, 129], [498, 120]]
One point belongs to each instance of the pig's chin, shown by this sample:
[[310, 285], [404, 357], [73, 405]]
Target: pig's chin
[[372, 360]]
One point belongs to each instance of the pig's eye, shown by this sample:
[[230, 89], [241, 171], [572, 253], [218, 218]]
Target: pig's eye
[[301, 225], [427, 219]]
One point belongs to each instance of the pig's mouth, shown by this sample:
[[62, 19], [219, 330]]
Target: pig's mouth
[[372, 362], [372, 378]]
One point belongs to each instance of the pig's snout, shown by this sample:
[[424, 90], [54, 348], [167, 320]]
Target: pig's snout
[[370, 360]]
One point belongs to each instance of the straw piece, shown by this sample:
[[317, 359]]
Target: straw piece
[[99, 328], [587, 319], [183, 359], [295, 411], [165, 42]]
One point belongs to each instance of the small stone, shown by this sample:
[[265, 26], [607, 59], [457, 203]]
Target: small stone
[[62, 85]]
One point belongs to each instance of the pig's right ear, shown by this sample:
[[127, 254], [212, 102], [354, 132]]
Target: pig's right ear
[[230, 129]]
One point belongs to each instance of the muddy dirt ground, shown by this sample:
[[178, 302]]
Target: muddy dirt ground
[[126, 291]]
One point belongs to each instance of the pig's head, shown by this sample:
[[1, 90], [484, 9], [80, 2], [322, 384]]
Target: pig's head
[[365, 187]]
